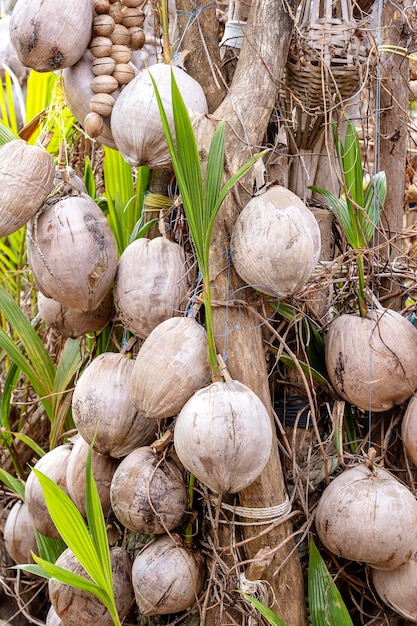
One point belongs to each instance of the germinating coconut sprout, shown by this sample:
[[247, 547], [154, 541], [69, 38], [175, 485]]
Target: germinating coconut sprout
[[54, 465], [75, 607], [72, 252], [167, 576], [71, 323], [26, 179], [398, 588], [275, 242], [391, 340], [135, 119], [367, 515], [103, 469], [49, 35], [19, 537], [170, 366], [148, 493], [102, 407], [151, 283], [223, 436]]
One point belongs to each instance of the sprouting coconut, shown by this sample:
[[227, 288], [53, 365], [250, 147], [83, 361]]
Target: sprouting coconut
[[167, 576], [275, 242], [151, 283], [367, 515], [26, 179], [103, 468], [102, 407], [371, 360], [49, 35], [75, 606], [223, 436], [72, 252], [170, 366], [135, 120], [148, 493], [54, 465], [18, 534]]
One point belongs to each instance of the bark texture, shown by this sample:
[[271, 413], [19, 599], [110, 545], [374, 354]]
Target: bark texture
[[246, 110]]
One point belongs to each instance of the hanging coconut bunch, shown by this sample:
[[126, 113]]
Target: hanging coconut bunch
[[143, 142], [102, 407], [223, 436], [26, 179], [18, 534], [148, 492], [167, 576], [54, 465], [75, 606], [69, 323], [170, 366], [275, 243], [103, 468], [72, 252], [382, 337], [49, 35], [117, 31], [151, 284], [367, 515]]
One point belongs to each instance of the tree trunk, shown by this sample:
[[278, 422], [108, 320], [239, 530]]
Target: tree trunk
[[393, 132], [246, 110]]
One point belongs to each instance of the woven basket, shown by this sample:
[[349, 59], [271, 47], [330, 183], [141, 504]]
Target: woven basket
[[324, 64]]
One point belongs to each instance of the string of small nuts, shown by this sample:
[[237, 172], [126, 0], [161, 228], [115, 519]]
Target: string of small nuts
[[117, 31]]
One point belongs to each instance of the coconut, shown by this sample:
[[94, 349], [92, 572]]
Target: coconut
[[8, 56], [101, 402], [409, 429], [275, 242], [367, 515], [151, 283], [135, 120], [72, 252], [26, 179], [49, 35], [398, 588], [19, 537], [103, 468], [52, 619], [54, 465], [148, 493], [167, 577], [71, 323], [371, 360], [76, 84], [170, 366], [74, 606], [223, 436]]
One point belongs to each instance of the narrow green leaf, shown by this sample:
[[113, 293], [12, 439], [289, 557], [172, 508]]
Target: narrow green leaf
[[49, 548], [9, 385], [264, 610], [214, 170], [89, 180], [29, 442], [97, 523], [50, 570], [6, 134], [326, 603], [71, 527], [15, 485]]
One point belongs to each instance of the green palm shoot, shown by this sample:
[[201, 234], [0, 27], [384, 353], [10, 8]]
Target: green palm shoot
[[358, 210], [88, 543], [201, 198]]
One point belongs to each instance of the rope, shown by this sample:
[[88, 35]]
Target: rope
[[268, 515]]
